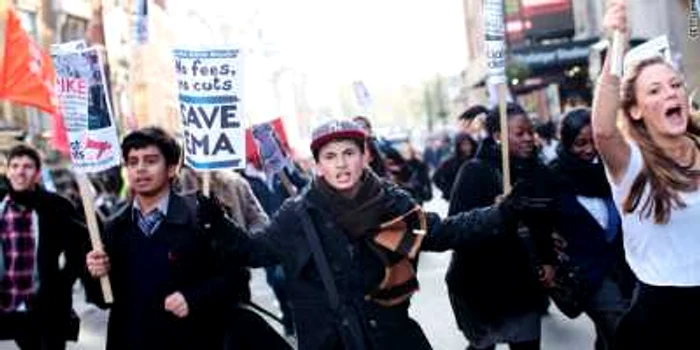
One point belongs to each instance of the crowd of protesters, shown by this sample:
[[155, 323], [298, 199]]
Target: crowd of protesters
[[599, 220]]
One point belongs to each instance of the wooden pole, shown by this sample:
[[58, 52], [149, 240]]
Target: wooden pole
[[206, 183], [505, 147], [617, 53], [86, 193]]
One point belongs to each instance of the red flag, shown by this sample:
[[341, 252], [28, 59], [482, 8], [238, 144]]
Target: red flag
[[27, 75]]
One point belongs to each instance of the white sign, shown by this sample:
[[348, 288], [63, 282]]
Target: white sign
[[209, 83], [657, 47], [84, 105], [362, 94], [495, 41]]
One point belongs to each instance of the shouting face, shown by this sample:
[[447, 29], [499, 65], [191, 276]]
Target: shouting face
[[148, 173], [23, 173], [662, 101], [341, 164]]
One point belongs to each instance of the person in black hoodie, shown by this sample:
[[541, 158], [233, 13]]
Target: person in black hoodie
[[464, 149], [496, 286], [445, 175], [589, 223]]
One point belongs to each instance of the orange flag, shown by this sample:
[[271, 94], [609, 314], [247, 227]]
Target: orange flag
[[27, 75]]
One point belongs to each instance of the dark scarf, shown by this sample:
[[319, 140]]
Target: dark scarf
[[520, 169], [581, 177], [372, 215], [359, 215], [27, 199]]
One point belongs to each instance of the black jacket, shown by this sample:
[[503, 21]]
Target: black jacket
[[61, 233], [356, 270], [193, 268], [498, 276]]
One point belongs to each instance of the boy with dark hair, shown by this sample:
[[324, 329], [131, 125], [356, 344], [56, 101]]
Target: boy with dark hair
[[170, 289], [349, 245], [37, 228]]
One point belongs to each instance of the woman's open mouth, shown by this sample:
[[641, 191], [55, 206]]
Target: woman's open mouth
[[675, 113]]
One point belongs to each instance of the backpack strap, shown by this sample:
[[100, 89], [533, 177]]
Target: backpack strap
[[351, 332], [320, 260]]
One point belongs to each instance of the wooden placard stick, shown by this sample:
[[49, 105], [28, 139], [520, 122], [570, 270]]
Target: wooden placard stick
[[505, 145], [88, 198]]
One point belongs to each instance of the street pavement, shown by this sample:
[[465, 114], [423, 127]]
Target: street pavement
[[430, 307]]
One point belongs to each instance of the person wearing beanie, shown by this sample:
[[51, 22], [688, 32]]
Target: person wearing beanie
[[349, 244], [37, 228]]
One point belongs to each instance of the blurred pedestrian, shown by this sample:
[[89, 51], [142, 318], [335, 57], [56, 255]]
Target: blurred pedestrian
[[496, 286], [42, 245], [654, 171], [464, 149], [377, 160], [444, 177], [547, 141], [416, 180], [591, 228], [432, 154]]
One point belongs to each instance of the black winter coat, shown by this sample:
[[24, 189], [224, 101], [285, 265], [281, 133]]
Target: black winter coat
[[355, 268], [193, 268], [498, 276], [61, 233]]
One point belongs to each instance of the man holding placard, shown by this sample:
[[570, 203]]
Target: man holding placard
[[42, 243], [170, 291]]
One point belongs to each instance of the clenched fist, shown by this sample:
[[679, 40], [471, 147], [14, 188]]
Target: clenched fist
[[97, 263], [177, 305]]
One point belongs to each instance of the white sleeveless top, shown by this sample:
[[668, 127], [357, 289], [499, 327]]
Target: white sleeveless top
[[660, 255]]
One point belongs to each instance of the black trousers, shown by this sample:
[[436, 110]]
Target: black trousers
[[661, 318], [248, 331], [30, 333]]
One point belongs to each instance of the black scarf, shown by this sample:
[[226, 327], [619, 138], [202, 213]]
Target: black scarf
[[581, 177], [27, 199], [359, 215], [520, 169]]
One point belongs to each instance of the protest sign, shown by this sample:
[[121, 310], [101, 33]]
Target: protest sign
[[270, 149], [657, 47], [84, 105], [495, 41], [364, 99], [495, 45], [209, 84], [92, 135]]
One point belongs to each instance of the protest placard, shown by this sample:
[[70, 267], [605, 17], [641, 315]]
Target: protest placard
[[209, 86], [92, 135], [657, 47], [495, 41], [495, 45], [270, 149], [84, 105]]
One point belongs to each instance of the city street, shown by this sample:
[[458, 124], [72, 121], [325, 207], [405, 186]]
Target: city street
[[430, 307]]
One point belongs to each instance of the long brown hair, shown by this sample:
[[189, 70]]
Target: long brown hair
[[666, 178]]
